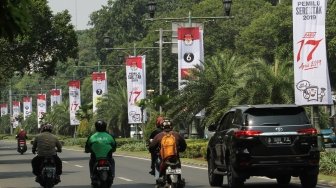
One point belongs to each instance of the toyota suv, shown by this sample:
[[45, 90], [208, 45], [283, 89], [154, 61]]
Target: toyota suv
[[274, 140]]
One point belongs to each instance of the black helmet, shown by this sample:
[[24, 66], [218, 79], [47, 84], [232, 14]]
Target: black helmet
[[100, 126], [46, 127], [167, 124]]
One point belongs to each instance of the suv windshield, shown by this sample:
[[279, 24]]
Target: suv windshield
[[276, 116]]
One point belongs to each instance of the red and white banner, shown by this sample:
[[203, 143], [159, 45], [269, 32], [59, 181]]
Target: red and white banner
[[311, 75], [27, 107], [41, 108], [99, 87], [136, 87], [74, 100], [16, 113], [55, 97], [190, 52], [4, 109]]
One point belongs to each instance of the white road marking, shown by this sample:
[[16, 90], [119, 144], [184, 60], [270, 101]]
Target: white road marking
[[66, 162], [79, 166], [122, 178]]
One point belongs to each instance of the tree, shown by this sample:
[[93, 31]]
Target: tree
[[14, 18], [48, 40], [261, 83]]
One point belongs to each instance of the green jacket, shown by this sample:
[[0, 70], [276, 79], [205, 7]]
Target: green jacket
[[100, 144]]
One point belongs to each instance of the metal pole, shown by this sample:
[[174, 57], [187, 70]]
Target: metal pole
[[189, 19], [10, 108], [160, 64], [134, 49]]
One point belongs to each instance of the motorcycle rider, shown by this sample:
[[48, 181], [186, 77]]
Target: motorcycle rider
[[45, 144], [181, 144], [101, 145], [22, 135], [154, 156]]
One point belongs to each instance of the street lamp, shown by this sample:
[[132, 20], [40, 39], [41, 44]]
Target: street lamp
[[227, 6], [151, 8]]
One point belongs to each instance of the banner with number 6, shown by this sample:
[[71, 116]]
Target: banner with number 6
[[74, 100], [311, 75]]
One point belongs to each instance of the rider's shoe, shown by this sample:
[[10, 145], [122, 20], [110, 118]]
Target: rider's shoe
[[37, 179], [152, 172]]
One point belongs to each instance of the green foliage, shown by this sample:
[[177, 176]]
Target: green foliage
[[74, 141], [135, 146], [5, 124], [84, 128], [328, 163], [195, 150]]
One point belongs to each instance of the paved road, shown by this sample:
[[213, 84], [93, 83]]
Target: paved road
[[131, 172]]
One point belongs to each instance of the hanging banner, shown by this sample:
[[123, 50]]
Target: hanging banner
[[16, 113], [55, 97], [4, 109], [99, 87], [41, 108], [190, 52], [27, 107], [74, 100], [311, 75], [136, 88]]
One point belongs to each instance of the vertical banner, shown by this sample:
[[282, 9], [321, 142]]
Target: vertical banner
[[136, 88], [41, 108], [27, 107], [16, 113], [74, 100], [311, 75], [55, 97], [4, 109], [99, 87], [190, 52]]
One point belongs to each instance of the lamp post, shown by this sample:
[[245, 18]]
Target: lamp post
[[151, 5]]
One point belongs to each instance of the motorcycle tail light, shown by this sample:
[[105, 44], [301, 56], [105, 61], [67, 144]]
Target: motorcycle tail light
[[247, 133], [308, 131], [102, 162]]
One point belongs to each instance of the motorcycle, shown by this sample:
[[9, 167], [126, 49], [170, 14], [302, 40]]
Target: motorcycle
[[102, 174], [172, 174], [22, 146], [47, 178]]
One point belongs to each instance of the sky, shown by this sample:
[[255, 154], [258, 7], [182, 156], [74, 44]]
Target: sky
[[80, 10]]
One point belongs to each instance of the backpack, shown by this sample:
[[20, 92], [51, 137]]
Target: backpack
[[168, 146]]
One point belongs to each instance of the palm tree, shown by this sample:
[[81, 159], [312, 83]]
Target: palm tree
[[210, 91], [113, 108], [262, 83]]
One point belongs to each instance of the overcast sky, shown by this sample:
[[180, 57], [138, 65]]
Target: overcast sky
[[80, 10]]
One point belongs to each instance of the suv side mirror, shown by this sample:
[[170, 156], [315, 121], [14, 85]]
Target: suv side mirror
[[212, 127]]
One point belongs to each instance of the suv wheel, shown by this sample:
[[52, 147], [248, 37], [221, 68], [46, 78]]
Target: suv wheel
[[309, 177], [234, 181], [283, 180], [214, 179]]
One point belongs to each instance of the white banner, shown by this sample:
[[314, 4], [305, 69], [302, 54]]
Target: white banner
[[55, 97], [190, 52], [4, 109], [41, 108], [136, 88], [16, 113], [27, 107], [311, 75], [74, 100], [99, 87]]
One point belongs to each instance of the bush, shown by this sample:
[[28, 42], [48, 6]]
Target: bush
[[136, 146], [328, 163], [196, 148]]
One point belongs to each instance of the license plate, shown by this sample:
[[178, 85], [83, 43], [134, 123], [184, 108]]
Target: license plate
[[174, 171], [325, 140], [279, 140], [103, 168]]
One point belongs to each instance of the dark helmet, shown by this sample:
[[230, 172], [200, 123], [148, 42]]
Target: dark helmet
[[100, 126], [159, 121], [167, 124], [47, 127]]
